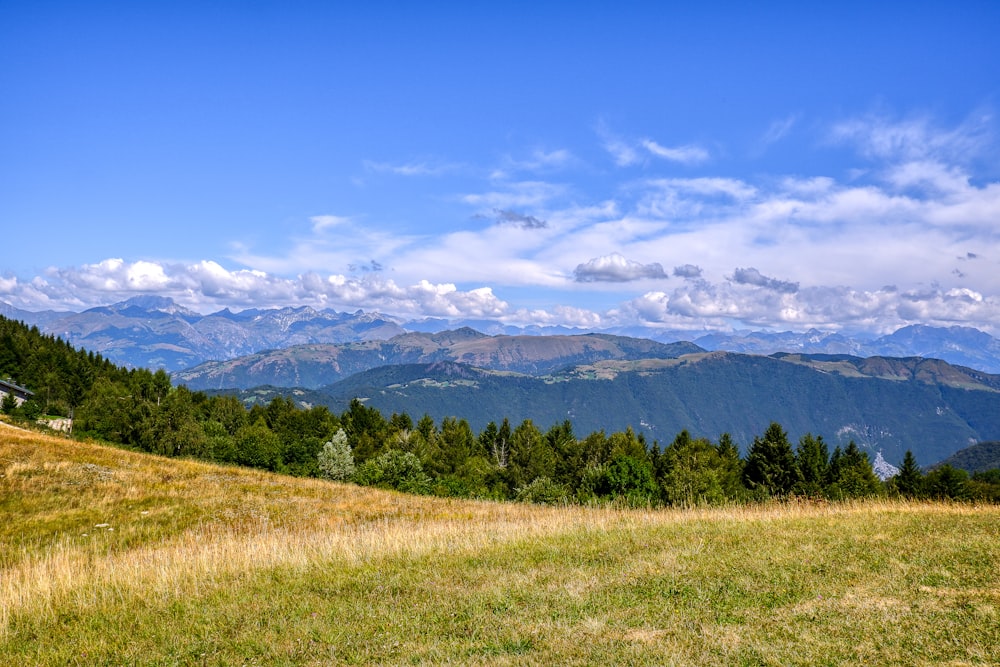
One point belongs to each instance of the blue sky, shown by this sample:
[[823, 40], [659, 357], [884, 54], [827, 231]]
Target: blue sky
[[586, 164]]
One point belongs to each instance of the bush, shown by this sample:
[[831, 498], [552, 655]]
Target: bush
[[395, 469], [543, 491], [335, 460]]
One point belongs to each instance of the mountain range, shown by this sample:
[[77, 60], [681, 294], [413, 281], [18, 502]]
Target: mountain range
[[312, 366], [155, 332], [889, 393]]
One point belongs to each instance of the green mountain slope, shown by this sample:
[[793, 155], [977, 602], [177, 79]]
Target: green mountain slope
[[932, 408], [980, 457]]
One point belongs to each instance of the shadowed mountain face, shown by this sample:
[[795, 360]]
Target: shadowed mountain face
[[980, 457], [884, 405]]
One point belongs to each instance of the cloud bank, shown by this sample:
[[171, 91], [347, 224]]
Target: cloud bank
[[905, 232]]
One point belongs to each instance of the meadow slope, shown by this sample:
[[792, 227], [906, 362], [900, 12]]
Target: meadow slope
[[115, 557]]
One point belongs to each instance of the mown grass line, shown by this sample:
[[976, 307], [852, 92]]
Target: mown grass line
[[327, 574]]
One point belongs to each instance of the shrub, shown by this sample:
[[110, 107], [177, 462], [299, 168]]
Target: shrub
[[335, 460], [394, 469], [543, 491]]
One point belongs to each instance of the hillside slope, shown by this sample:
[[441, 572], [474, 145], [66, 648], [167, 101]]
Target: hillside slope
[[885, 405], [114, 557], [980, 457]]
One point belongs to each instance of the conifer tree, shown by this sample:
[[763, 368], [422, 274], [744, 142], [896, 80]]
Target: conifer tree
[[909, 480], [812, 456], [855, 477], [771, 467]]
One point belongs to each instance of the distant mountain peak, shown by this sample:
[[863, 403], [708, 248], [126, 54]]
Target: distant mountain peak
[[154, 304]]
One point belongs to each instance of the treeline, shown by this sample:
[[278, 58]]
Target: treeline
[[140, 409]]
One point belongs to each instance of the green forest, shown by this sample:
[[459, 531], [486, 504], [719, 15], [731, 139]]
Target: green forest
[[140, 409]]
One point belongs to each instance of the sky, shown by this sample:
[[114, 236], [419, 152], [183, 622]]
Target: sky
[[587, 164]]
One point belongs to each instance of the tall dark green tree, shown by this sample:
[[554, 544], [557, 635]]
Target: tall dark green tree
[[947, 482], [770, 468], [854, 477], [568, 452], [813, 458], [366, 428], [692, 468], [910, 480], [530, 456], [730, 468]]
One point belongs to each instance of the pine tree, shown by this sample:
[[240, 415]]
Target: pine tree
[[691, 472], [771, 467], [730, 468], [855, 477], [909, 481], [813, 458]]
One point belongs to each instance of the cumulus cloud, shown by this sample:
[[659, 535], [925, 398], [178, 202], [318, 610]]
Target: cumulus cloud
[[206, 285], [723, 306], [754, 277], [687, 271], [519, 220], [617, 269]]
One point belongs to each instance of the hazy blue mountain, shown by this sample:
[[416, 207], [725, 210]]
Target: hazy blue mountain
[[31, 318], [155, 332], [957, 345]]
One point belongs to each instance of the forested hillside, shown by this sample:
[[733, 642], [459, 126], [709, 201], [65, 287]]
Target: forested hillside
[[504, 460], [60, 376], [884, 405]]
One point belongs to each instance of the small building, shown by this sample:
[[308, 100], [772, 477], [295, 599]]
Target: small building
[[19, 393]]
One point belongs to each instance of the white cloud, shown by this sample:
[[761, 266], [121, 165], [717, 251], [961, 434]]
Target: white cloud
[[690, 154], [523, 194], [916, 138], [419, 168], [537, 161], [206, 285], [916, 216], [721, 306], [616, 268], [779, 129], [323, 222], [629, 152]]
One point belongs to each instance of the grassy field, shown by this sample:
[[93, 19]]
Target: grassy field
[[112, 557]]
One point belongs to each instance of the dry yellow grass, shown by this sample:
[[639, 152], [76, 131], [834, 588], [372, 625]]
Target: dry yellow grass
[[110, 556]]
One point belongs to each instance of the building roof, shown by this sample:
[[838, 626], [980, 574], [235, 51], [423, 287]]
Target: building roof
[[17, 389]]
